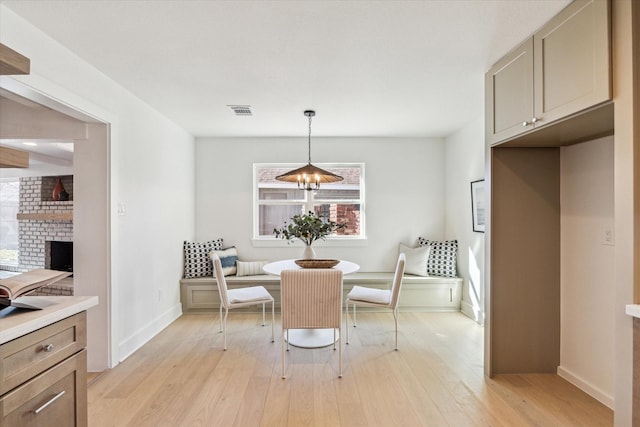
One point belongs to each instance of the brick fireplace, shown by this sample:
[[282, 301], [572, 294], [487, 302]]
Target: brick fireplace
[[44, 226]]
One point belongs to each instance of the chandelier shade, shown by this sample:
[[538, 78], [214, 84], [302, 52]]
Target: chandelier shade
[[309, 177], [309, 173]]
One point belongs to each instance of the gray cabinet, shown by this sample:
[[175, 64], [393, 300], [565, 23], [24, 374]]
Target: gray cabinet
[[509, 93], [562, 70]]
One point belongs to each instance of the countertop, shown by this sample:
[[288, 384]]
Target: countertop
[[16, 322], [633, 310]]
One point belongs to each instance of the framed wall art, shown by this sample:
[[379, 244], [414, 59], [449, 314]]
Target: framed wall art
[[478, 205]]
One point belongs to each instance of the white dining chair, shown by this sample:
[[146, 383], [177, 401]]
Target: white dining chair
[[311, 299], [241, 297], [380, 298]]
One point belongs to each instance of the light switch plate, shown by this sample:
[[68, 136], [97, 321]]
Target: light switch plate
[[608, 236]]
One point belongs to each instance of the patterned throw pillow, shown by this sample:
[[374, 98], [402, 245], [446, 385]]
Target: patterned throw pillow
[[250, 268], [228, 258], [442, 258], [416, 259], [197, 262]]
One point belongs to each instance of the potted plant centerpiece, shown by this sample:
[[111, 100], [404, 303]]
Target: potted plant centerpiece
[[307, 228]]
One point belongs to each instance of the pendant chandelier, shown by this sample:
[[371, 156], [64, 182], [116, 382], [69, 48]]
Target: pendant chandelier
[[309, 177]]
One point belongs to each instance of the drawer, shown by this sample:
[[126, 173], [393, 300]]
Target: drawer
[[27, 356], [55, 398]]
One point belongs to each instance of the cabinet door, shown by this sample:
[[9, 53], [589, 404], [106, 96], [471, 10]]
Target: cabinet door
[[55, 398], [572, 63], [509, 94], [27, 356]]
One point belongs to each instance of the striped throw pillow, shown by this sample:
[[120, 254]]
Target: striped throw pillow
[[250, 268]]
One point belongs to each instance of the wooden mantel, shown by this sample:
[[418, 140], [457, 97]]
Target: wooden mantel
[[11, 62], [43, 216]]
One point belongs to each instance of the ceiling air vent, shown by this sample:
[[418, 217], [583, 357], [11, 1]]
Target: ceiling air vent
[[241, 110]]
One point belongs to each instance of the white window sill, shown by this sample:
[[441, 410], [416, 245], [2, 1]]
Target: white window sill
[[270, 242]]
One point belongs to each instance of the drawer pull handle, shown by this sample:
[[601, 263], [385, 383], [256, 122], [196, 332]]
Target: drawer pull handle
[[53, 399], [47, 347]]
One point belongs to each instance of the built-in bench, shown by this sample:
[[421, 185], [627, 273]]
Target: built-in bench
[[418, 293]]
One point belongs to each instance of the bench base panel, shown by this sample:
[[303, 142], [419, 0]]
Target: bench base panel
[[430, 294]]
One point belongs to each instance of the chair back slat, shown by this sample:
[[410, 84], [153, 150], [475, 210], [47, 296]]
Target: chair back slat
[[221, 282], [311, 298], [397, 281]]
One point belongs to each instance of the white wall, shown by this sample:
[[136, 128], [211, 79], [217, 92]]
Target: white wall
[[150, 172], [404, 180], [155, 182], [464, 153], [587, 297]]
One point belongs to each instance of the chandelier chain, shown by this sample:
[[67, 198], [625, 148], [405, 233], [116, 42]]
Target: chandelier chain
[[309, 142], [309, 177]]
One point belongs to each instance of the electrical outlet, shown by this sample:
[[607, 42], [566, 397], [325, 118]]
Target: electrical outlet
[[608, 237]]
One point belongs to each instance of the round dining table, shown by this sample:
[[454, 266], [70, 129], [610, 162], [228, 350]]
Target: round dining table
[[309, 338]]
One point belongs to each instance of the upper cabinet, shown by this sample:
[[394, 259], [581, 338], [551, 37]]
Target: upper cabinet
[[509, 94], [562, 70]]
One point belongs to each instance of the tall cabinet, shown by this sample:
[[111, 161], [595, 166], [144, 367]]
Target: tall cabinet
[[552, 90]]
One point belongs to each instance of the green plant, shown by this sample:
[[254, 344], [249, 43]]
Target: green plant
[[307, 227]]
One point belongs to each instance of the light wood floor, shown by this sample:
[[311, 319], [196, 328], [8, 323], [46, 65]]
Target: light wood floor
[[183, 378]]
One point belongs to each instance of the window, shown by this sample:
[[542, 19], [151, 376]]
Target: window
[[9, 205], [275, 201]]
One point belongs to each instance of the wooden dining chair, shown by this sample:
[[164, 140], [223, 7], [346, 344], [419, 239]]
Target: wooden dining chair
[[241, 297], [311, 299], [381, 298]]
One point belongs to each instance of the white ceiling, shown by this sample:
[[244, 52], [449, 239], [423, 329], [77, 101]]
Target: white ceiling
[[45, 159], [369, 68], [47, 156]]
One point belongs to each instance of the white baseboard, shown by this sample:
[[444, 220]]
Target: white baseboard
[[469, 311], [587, 387], [127, 347]]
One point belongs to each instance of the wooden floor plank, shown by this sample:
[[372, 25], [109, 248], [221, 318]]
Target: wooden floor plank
[[183, 377]]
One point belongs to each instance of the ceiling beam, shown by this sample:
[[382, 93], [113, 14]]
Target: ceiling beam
[[12, 158], [11, 62], [26, 120]]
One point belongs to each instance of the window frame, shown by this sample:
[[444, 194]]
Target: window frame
[[3, 262], [308, 202]]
